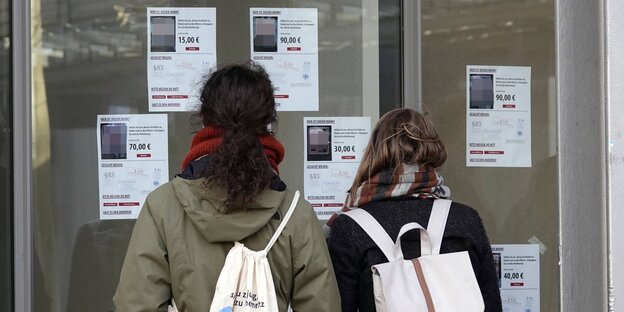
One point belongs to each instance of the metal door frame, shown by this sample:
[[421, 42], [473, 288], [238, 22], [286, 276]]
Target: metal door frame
[[412, 68], [22, 155]]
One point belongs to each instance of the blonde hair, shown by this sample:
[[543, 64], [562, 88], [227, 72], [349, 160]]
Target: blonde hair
[[401, 136]]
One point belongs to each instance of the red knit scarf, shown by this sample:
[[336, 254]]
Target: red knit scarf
[[207, 141]]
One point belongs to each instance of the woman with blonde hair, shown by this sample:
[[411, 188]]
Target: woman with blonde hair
[[397, 183]]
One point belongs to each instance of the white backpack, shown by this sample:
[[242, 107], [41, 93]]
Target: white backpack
[[432, 282], [245, 283]]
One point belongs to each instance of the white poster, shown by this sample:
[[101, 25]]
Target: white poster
[[518, 272], [498, 119], [333, 150], [285, 42], [181, 50], [133, 160]]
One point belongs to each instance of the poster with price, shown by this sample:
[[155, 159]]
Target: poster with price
[[518, 273], [333, 150], [285, 42], [181, 50], [133, 160], [498, 116]]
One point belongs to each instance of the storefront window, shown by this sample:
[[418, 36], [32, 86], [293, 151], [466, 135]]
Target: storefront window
[[518, 204], [6, 185], [89, 59]]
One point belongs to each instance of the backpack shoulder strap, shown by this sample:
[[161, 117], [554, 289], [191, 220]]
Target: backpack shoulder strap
[[425, 241], [375, 231], [437, 223], [282, 225]]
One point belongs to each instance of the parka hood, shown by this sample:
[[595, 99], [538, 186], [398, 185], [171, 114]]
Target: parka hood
[[202, 206]]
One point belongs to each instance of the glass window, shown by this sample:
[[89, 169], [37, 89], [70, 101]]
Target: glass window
[[516, 204], [89, 58], [6, 154]]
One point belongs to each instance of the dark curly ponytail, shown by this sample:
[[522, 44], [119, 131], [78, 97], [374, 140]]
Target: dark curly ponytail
[[239, 99]]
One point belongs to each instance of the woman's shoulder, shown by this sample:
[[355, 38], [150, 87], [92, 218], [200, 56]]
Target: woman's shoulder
[[304, 212], [465, 220], [161, 193], [392, 212], [464, 211], [304, 226], [161, 200]]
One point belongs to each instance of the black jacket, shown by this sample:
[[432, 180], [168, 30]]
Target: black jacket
[[353, 252]]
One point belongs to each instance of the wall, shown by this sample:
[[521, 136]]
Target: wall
[[615, 106], [582, 165]]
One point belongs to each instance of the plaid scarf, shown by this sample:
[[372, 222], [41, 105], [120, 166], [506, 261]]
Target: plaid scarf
[[207, 141], [407, 180]]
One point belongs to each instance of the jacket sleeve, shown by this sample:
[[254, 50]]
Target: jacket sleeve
[[345, 260], [486, 277], [144, 283], [314, 287]]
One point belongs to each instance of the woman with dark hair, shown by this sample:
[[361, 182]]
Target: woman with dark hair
[[229, 191], [397, 183]]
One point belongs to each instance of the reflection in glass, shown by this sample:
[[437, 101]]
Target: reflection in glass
[[89, 58], [515, 203]]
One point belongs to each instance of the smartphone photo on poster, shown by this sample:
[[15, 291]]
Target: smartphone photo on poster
[[265, 33], [113, 140], [163, 32], [481, 91], [319, 143]]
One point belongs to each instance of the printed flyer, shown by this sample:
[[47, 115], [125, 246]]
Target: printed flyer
[[333, 150], [285, 42], [518, 272], [133, 160], [181, 50], [498, 116]]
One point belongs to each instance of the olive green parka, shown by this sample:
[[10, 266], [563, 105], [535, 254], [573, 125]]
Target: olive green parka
[[180, 242]]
